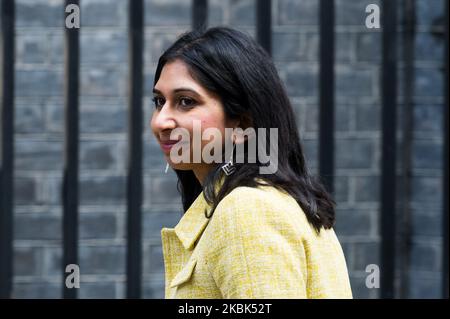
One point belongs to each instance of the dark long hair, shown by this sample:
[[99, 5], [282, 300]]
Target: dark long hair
[[232, 65]]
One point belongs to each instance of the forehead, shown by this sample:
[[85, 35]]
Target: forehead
[[176, 74]]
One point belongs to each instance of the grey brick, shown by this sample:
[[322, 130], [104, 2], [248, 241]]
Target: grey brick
[[27, 261], [39, 82], [153, 156], [153, 222], [242, 12], [428, 47], [311, 121], [360, 290], [40, 13], [368, 47], [52, 189], [310, 150], [97, 290], [426, 190], [295, 47], [299, 113], [354, 82], [341, 189], [427, 154], [352, 12], [29, 117], [37, 226], [32, 48], [428, 82], [428, 118], [301, 81], [110, 117], [355, 153], [425, 286], [353, 222], [154, 289], [105, 81], [36, 290], [365, 254], [426, 224], [298, 12], [163, 190], [429, 12], [367, 188], [103, 47], [153, 260], [54, 117], [342, 117], [425, 256], [98, 225], [38, 155], [345, 46], [167, 13], [155, 45], [102, 190], [102, 260], [103, 13], [52, 261], [25, 190], [56, 45], [216, 13], [98, 154], [367, 117]]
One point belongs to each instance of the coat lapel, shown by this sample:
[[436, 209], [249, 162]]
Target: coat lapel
[[179, 242]]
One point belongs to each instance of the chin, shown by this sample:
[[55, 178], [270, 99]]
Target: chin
[[181, 166]]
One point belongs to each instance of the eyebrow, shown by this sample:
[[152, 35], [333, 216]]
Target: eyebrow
[[178, 90]]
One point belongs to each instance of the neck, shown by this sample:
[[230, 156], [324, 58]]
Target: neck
[[202, 171]]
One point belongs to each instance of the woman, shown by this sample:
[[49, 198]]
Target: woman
[[245, 233]]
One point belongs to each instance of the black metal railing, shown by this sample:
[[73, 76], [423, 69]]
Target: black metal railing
[[6, 144], [134, 181], [70, 194], [388, 147]]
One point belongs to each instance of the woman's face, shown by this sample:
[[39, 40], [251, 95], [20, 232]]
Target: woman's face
[[180, 101]]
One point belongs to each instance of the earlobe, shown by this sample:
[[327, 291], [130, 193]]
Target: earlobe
[[240, 132], [239, 138]]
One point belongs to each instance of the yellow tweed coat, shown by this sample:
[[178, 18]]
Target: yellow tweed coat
[[257, 244]]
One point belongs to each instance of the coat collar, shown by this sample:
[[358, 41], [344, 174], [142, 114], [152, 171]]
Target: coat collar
[[193, 222]]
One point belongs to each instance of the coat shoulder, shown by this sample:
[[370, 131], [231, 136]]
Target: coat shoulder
[[265, 204]]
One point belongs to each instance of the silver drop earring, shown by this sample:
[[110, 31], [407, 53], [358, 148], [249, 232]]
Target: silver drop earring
[[229, 168], [167, 168]]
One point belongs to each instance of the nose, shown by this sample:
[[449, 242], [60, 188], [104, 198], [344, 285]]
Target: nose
[[164, 119]]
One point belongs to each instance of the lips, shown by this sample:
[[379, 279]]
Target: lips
[[167, 144]]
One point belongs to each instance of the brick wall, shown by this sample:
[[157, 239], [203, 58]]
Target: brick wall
[[104, 86]]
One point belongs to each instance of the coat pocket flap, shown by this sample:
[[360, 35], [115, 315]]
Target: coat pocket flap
[[184, 274]]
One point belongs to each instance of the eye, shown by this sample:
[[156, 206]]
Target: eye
[[158, 101], [187, 102]]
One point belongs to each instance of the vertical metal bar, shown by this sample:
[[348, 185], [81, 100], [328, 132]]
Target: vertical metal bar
[[6, 145], [408, 39], [445, 165], [134, 182], [388, 160], [326, 98], [264, 24], [199, 14], [71, 146]]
